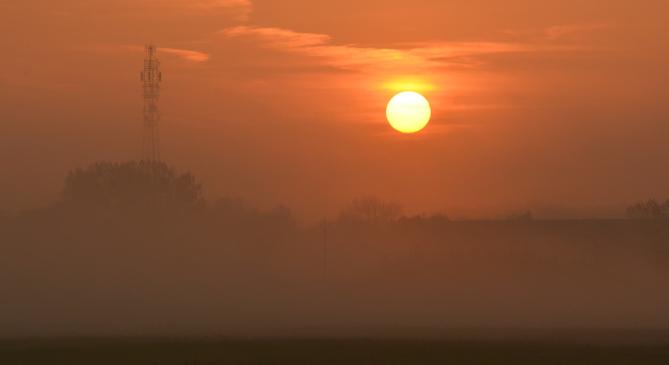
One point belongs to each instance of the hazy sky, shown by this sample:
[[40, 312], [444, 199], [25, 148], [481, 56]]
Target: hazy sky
[[556, 106]]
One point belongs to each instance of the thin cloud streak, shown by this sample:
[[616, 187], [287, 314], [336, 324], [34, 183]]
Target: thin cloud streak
[[222, 3], [205, 4], [243, 8], [186, 54], [415, 58], [569, 30], [559, 32], [440, 68]]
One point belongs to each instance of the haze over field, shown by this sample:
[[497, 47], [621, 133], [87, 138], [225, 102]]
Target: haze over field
[[128, 250]]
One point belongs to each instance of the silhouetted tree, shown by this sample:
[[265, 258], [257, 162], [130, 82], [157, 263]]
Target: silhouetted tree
[[131, 185], [649, 209], [371, 210]]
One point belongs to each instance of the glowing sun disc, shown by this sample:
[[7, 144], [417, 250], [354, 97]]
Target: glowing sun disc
[[408, 112]]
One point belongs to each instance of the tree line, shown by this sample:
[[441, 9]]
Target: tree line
[[154, 186]]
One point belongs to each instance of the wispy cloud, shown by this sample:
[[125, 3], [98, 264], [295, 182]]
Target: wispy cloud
[[76, 7], [569, 30], [203, 4], [222, 3], [560, 32], [278, 37], [186, 54], [243, 8], [412, 57]]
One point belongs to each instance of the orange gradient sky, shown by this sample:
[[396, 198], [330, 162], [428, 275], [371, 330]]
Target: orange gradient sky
[[555, 106]]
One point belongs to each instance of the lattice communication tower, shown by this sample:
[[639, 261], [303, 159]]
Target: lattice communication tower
[[151, 78]]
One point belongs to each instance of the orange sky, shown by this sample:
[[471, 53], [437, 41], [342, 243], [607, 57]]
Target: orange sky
[[555, 106]]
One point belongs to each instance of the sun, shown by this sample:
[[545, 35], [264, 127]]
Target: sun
[[408, 112]]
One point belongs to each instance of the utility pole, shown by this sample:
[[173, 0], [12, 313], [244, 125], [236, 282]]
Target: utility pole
[[325, 248]]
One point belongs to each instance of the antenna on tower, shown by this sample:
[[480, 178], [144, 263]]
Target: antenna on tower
[[151, 78]]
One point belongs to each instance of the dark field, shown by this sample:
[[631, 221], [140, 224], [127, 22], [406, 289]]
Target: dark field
[[323, 351]]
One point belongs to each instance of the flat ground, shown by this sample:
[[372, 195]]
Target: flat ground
[[323, 351]]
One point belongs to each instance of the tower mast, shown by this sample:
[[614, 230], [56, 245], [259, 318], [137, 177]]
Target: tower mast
[[151, 78]]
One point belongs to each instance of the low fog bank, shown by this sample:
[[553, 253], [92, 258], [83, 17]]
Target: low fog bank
[[106, 261]]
